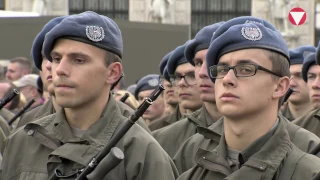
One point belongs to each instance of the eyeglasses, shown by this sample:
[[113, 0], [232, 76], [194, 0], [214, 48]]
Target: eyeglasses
[[190, 79], [161, 79], [240, 70]]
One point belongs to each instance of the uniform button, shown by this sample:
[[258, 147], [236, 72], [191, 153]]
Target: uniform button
[[203, 157], [261, 168], [30, 132]]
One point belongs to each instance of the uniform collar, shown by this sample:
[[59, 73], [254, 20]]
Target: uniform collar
[[287, 113], [201, 117], [268, 157], [98, 133], [317, 113], [173, 117]]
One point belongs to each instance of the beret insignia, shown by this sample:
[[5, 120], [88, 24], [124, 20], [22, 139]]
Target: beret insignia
[[153, 82], [251, 33], [95, 33]]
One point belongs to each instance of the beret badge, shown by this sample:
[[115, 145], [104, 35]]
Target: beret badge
[[95, 33], [153, 82], [251, 33]]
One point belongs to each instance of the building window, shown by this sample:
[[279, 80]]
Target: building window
[[206, 12], [2, 5], [115, 9]]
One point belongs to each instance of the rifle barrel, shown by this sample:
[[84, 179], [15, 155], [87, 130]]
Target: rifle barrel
[[8, 98], [121, 132], [21, 112], [124, 97]]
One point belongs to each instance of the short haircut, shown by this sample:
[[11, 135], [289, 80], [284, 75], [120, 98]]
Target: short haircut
[[111, 58], [280, 66], [24, 62]]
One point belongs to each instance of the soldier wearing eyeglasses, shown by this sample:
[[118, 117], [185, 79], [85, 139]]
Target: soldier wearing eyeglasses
[[195, 52], [249, 64], [182, 75], [298, 103], [173, 111]]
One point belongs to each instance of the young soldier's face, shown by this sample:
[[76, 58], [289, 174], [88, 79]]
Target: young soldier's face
[[45, 74], [156, 110], [189, 97], [301, 93], [314, 85], [170, 93], [243, 96], [79, 73], [206, 87]]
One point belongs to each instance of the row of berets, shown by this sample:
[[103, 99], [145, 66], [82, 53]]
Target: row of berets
[[222, 114]]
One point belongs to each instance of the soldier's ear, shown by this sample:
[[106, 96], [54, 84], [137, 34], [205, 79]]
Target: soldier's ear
[[114, 72], [283, 85]]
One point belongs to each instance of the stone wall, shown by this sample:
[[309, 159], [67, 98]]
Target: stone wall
[[53, 7], [172, 11]]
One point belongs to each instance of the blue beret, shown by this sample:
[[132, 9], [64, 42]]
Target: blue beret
[[132, 88], [164, 62], [38, 41], [243, 20], [177, 58], [244, 36], [309, 61], [318, 54], [166, 74], [87, 27], [299, 54], [201, 41], [148, 82]]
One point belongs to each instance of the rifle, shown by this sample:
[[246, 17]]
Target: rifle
[[124, 97], [288, 94], [119, 134], [315, 150], [8, 98], [21, 112], [316, 177]]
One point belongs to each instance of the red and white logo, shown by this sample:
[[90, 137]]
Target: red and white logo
[[297, 16]]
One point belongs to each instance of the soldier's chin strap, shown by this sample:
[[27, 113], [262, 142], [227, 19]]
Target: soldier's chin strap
[[117, 82]]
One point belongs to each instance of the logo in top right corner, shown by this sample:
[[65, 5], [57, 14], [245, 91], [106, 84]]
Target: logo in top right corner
[[297, 16]]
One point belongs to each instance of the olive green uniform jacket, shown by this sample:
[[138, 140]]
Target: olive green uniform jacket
[[4, 126], [37, 150], [310, 122], [172, 137], [271, 157], [5, 117], [48, 109], [166, 121], [287, 113], [6, 114], [209, 138], [37, 113]]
